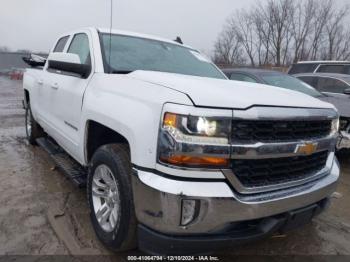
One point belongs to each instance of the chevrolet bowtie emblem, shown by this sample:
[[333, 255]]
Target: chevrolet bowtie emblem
[[306, 149]]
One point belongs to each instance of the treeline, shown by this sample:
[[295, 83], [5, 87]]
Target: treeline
[[280, 32], [7, 49]]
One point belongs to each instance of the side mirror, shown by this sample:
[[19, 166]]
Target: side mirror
[[347, 91], [69, 63]]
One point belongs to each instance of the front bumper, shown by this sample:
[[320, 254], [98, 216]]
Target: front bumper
[[156, 243], [223, 214], [158, 201]]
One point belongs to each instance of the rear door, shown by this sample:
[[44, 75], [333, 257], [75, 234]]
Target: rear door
[[68, 92], [45, 95]]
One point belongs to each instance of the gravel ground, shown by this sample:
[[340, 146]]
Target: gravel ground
[[42, 213]]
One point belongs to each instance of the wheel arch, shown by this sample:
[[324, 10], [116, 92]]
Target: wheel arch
[[97, 135], [26, 97]]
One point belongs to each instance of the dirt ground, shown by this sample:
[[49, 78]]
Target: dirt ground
[[42, 213]]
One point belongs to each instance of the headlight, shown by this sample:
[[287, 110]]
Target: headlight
[[194, 141], [335, 126]]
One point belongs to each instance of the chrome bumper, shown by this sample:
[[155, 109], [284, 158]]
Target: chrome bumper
[[156, 243], [158, 201]]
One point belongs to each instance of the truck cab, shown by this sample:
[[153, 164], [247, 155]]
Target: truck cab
[[176, 158]]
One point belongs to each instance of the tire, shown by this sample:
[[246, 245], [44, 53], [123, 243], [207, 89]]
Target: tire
[[113, 160], [33, 129]]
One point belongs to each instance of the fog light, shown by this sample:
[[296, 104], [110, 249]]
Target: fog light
[[189, 211]]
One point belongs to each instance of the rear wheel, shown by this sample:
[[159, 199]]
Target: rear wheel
[[110, 197], [33, 129]]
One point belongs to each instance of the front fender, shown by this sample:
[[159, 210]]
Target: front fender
[[131, 108]]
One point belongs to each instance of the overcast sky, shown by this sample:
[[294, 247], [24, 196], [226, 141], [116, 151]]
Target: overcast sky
[[35, 24]]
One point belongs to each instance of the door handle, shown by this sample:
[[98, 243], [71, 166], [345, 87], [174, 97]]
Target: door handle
[[40, 82], [54, 86]]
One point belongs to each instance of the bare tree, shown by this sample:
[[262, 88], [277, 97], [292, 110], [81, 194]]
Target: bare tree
[[242, 28], [263, 33], [280, 32], [342, 44], [301, 26], [228, 50], [335, 29], [278, 14], [320, 16]]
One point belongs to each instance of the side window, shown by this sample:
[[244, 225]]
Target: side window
[[339, 69], [331, 85], [347, 69], [61, 44], [302, 68], [309, 80], [80, 46], [242, 77]]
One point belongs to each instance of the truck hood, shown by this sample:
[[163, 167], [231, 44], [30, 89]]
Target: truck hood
[[211, 92], [341, 103]]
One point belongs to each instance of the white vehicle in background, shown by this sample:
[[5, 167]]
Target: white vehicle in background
[[176, 158]]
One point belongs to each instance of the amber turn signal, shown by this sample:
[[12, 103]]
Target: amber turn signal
[[169, 120], [193, 161]]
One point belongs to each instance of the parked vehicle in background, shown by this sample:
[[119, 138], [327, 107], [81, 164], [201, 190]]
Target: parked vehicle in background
[[337, 85], [336, 90], [283, 80], [272, 78], [338, 67], [176, 158]]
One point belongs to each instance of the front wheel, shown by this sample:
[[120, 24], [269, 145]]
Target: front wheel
[[33, 129], [110, 197]]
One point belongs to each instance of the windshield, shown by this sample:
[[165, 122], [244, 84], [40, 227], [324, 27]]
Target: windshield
[[130, 53], [291, 83]]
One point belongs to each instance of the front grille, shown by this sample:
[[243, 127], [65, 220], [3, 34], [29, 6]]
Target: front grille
[[265, 172], [248, 131]]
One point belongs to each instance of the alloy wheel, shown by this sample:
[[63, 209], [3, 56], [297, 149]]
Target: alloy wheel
[[105, 198]]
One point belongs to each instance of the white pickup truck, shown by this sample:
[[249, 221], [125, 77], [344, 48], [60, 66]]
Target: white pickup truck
[[176, 158]]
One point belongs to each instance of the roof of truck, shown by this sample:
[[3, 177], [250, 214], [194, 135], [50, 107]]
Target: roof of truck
[[134, 34]]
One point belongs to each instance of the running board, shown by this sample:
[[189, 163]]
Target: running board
[[71, 168]]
